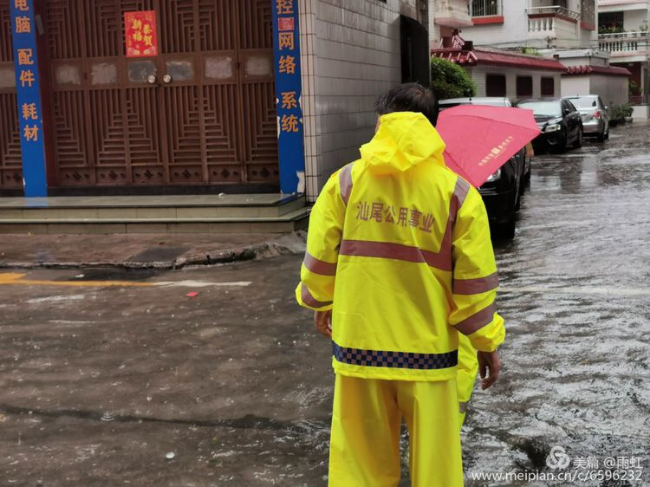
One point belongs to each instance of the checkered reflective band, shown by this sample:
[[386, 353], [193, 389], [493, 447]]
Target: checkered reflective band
[[398, 360]]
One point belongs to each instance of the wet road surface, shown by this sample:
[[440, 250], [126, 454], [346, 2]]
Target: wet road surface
[[120, 378]]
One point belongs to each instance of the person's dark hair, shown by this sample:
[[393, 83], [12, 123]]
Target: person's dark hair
[[409, 97]]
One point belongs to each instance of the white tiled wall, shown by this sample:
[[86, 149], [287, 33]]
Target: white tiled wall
[[613, 90], [351, 55], [480, 73]]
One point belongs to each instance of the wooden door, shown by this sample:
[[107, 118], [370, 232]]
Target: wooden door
[[201, 112], [10, 153]]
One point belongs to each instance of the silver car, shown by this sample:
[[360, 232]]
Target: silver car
[[595, 119]]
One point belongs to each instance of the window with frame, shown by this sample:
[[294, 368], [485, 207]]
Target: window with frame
[[610, 22], [548, 86], [524, 86], [495, 85], [485, 8]]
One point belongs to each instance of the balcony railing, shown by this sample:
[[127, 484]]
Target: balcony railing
[[485, 8], [625, 43], [554, 11], [555, 21]]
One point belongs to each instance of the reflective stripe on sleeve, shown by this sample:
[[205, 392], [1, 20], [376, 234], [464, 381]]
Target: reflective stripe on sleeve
[[318, 266], [476, 286], [399, 360], [385, 250], [345, 181], [458, 198], [309, 300], [477, 321]]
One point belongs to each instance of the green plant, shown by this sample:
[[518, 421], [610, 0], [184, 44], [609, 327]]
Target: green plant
[[619, 112], [612, 29], [531, 51], [449, 80], [635, 89]]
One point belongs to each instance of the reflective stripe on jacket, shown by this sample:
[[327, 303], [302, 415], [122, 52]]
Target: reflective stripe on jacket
[[399, 248]]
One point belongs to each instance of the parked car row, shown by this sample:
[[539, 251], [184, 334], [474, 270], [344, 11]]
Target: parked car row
[[563, 123], [502, 192]]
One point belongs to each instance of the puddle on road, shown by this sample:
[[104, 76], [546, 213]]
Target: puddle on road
[[159, 254], [135, 275]]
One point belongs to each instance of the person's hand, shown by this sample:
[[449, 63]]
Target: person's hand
[[323, 322], [489, 367]]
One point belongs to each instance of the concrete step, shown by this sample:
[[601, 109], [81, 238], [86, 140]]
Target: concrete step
[[293, 221], [173, 208]]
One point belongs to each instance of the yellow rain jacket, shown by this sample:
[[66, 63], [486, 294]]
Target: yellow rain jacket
[[399, 248]]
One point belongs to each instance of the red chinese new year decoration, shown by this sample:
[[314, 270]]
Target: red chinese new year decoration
[[140, 30]]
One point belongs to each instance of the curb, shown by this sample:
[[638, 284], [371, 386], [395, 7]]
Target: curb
[[293, 244]]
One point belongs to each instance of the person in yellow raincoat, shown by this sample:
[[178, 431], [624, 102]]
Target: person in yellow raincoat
[[399, 262]]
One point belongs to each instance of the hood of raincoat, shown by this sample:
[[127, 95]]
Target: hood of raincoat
[[404, 140]]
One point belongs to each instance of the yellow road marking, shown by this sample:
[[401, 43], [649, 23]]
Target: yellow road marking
[[17, 280]]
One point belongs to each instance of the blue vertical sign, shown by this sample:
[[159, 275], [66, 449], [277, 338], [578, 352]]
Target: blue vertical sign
[[288, 92], [28, 91]]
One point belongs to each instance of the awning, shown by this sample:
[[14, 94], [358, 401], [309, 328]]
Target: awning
[[499, 58], [605, 70]]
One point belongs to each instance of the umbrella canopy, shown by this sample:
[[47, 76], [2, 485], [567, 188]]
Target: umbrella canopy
[[481, 139]]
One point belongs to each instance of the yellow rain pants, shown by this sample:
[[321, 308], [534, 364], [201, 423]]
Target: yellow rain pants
[[366, 423]]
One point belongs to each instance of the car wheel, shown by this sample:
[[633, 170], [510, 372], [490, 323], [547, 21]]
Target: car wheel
[[561, 146], [527, 174], [602, 137], [507, 230], [518, 196], [578, 143], [607, 134]]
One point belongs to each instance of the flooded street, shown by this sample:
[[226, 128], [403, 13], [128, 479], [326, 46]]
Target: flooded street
[[130, 378], [576, 300]]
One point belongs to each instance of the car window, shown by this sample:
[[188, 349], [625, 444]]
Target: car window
[[543, 108], [583, 101], [571, 106]]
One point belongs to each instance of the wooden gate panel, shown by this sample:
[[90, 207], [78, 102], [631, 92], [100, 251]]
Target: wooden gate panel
[[223, 155], [11, 176], [183, 113], [65, 39], [256, 17], [258, 109], [70, 139], [261, 139], [217, 25], [178, 26], [108, 136], [64, 20], [145, 138]]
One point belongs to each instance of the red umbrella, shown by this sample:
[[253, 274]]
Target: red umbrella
[[481, 139]]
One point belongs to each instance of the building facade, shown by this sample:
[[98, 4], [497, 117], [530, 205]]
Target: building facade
[[197, 95], [501, 73], [543, 25], [588, 71], [623, 32]]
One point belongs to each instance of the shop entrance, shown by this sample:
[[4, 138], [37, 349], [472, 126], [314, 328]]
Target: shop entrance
[[201, 112]]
